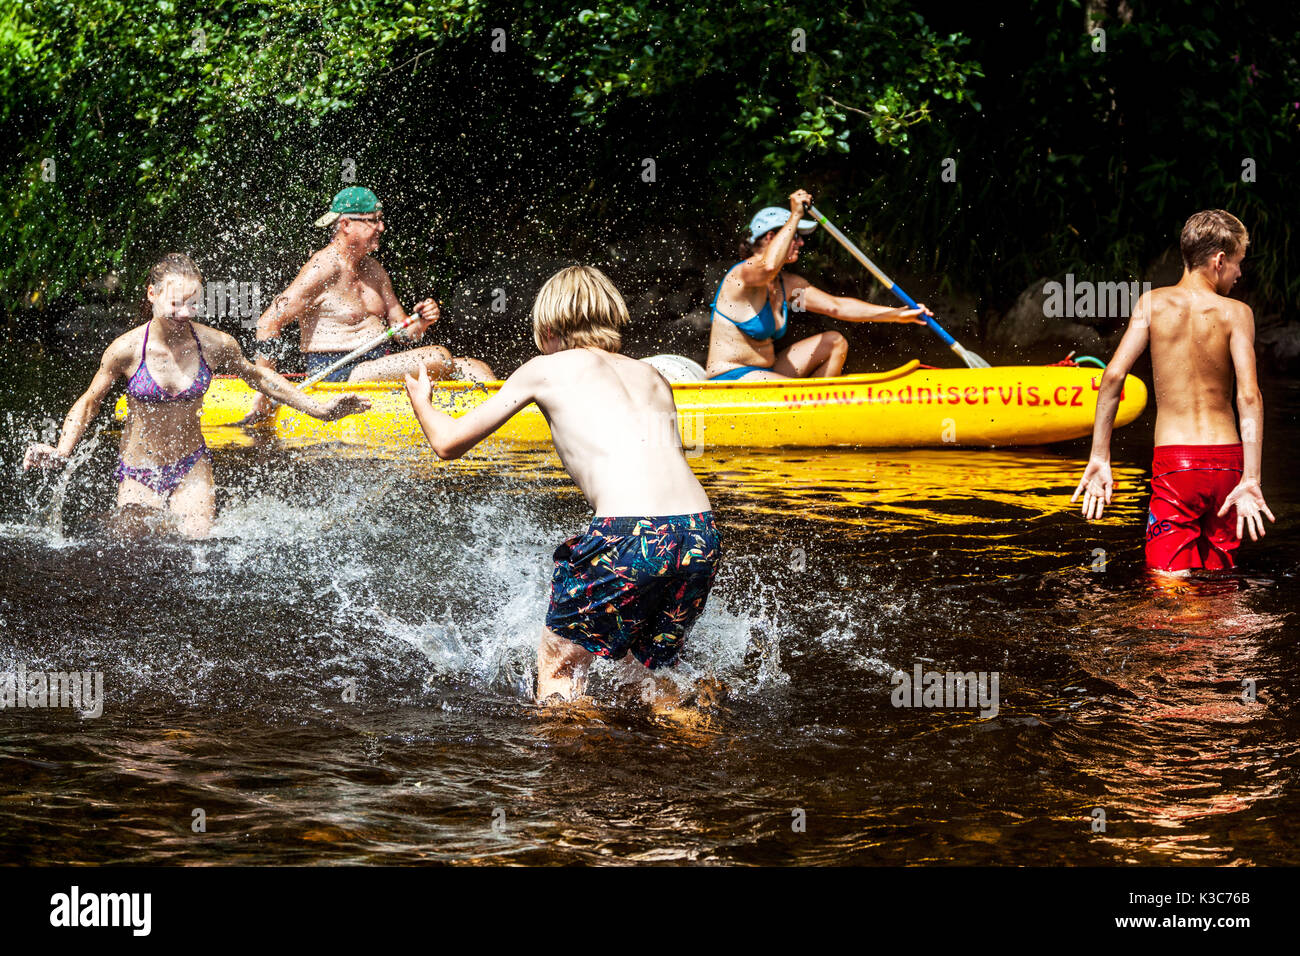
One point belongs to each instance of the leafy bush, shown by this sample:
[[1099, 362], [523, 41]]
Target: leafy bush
[[161, 116]]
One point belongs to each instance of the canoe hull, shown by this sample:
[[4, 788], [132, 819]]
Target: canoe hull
[[908, 406]]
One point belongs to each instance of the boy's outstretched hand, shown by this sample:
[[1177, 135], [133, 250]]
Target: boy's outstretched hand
[[1096, 486], [1248, 499], [418, 389]]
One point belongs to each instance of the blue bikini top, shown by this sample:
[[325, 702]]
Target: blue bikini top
[[762, 326]]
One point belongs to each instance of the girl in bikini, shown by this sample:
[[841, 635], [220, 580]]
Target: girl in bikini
[[168, 363], [744, 346]]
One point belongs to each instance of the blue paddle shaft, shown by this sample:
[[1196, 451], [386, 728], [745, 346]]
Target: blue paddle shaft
[[875, 270], [907, 299]]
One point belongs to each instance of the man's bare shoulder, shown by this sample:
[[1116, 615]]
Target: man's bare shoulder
[[324, 265], [372, 269]]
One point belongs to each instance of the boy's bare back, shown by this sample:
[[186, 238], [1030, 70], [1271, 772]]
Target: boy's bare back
[[614, 424], [1203, 363], [1201, 344], [636, 581]]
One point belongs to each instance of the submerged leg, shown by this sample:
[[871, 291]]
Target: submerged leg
[[182, 491], [133, 492], [562, 667], [141, 511]]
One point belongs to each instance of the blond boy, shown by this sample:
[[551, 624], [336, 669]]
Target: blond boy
[[638, 578]]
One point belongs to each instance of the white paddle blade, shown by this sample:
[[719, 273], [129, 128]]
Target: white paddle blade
[[677, 368], [970, 358]]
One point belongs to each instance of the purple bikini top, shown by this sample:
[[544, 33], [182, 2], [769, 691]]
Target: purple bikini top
[[143, 386]]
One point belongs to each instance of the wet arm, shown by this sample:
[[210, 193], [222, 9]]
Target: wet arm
[[289, 307], [451, 437], [86, 408], [842, 307], [1131, 346], [116, 359], [395, 315], [761, 271], [1250, 403], [230, 360], [1097, 484], [1247, 499]]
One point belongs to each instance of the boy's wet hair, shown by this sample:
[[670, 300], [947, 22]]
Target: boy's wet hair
[[578, 307], [1209, 232], [172, 264]]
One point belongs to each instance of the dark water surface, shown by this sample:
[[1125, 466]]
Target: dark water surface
[[423, 586]]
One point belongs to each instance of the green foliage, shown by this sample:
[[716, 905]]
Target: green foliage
[[135, 100], [1090, 161], [1067, 158], [131, 100], [799, 72]]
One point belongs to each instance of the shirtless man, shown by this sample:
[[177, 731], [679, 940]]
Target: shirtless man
[[1202, 469], [638, 578], [342, 299], [753, 293]]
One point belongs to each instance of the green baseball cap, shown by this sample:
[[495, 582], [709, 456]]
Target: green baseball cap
[[355, 200]]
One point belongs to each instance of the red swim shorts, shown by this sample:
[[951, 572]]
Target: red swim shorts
[[1188, 486]]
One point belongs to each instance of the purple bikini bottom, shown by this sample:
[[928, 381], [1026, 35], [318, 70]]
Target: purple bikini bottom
[[165, 478]]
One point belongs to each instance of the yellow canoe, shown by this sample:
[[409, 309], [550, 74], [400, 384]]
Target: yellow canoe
[[909, 406]]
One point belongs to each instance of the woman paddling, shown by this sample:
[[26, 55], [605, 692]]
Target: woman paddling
[[754, 300], [168, 363]]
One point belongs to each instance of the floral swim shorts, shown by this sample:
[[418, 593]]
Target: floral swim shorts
[[634, 584]]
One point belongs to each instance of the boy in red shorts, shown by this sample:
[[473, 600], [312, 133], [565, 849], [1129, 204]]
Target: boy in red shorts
[[1202, 470], [638, 578]]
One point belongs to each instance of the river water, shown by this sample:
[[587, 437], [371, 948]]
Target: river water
[[342, 673]]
